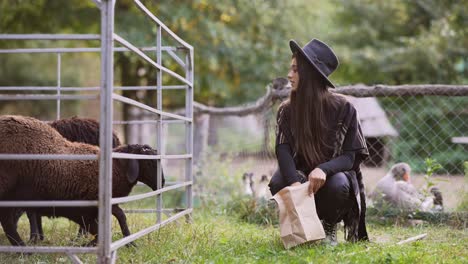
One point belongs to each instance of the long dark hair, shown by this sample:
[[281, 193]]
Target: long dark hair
[[308, 104]]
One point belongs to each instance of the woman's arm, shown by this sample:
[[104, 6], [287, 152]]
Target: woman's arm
[[284, 152], [341, 163], [286, 164]]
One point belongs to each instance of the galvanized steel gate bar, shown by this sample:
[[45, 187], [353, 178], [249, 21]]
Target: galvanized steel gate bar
[[106, 248]]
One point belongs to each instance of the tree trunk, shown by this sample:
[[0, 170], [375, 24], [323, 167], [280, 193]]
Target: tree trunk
[[200, 136], [266, 132], [127, 78], [214, 123]]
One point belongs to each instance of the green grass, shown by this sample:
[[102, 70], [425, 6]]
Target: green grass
[[217, 236]]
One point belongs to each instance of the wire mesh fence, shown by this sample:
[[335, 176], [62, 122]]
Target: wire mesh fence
[[401, 124], [407, 124]]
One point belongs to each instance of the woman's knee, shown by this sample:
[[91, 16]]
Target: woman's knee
[[333, 198], [338, 185]]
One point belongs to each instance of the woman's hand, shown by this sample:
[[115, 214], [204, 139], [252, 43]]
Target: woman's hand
[[317, 179]]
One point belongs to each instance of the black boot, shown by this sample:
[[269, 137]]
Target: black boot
[[330, 234]]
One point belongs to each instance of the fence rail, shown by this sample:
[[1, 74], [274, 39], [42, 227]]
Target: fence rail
[[403, 90], [279, 90]]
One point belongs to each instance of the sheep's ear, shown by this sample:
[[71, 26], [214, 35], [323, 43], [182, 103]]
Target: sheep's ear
[[133, 170]]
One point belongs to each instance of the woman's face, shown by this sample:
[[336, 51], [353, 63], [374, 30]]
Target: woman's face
[[293, 75]]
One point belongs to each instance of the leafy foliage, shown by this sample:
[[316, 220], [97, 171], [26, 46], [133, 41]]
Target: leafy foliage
[[241, 45], [20, 17], [432, 166], [254, 211], [235, 57], [404, 42], [401, 42]]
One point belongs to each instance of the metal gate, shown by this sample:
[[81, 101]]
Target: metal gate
[[106, 249]]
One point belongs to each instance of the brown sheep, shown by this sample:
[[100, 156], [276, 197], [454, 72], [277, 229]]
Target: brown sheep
[[60, 179], [75, 129]]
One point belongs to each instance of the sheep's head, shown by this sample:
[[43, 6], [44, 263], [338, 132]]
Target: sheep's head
[[144, 170]]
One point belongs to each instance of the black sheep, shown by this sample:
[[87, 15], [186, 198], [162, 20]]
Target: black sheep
[[71, 179], [84, 130]]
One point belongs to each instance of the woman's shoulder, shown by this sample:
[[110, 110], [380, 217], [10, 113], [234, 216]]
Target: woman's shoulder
[[285, 103], [284, 106], [343, 105], [344, 101], [283, 111]]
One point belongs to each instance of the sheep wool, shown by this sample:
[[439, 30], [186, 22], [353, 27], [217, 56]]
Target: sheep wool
[[83, 130], [26, 135], [61, 179]]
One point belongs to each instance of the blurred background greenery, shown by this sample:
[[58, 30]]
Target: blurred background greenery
[[241, 45]]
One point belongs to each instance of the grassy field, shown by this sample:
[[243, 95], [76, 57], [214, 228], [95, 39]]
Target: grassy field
[[223, 229], [216, 236]]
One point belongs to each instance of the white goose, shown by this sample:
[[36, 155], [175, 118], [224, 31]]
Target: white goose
[[248, 184], [262, 191], [256, 188], [395, 188]]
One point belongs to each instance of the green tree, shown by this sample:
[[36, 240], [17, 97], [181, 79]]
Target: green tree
[[42, 16], [404, 42], [239, 45]]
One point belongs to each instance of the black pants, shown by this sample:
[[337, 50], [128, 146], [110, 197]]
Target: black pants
[[332, 201]]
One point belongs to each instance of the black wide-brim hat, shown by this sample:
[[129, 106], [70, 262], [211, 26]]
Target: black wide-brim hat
[[320, 55]]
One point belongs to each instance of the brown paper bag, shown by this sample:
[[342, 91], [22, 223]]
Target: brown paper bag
[[299, 222]]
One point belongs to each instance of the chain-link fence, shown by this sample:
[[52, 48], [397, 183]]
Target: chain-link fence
[[400, 124]]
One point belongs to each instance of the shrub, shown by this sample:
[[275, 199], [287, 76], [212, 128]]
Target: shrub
[[254, 211]]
